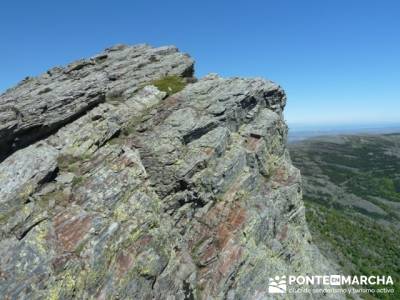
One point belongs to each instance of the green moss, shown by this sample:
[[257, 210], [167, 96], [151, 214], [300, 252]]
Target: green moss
[[80, 248], [71, 163], [130, 129], [58, 196], [170, 84], [117, 140], [68, 163], [77, 180]]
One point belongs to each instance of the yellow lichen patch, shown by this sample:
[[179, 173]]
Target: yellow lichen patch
[[53, 293], [27, 191], [66, 285], [147, 262], [120, 213], [134, 235], [69, 282], [3, 176], [38, 238]]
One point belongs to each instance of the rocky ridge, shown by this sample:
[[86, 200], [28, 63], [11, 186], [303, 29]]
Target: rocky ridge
[[113, 189]]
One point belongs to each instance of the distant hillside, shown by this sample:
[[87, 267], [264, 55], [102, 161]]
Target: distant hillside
[[303, 132], [352, 195]]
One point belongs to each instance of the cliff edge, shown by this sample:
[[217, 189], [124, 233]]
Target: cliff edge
[[124, 177]]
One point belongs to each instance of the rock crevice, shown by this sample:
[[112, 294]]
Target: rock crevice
[[128, 192]]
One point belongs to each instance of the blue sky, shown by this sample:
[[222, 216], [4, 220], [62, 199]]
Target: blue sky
[[339, 61]]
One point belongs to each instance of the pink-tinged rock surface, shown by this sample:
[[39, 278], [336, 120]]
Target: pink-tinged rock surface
[[131, 192]]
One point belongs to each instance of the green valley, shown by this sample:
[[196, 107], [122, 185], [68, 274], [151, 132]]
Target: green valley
[[351, 187]]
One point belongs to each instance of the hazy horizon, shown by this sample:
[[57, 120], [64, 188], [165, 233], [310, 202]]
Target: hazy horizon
[[344, 125], [299, 132]]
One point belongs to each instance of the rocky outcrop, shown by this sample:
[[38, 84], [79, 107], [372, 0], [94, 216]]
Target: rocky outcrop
[[37, 107], [126, 192]]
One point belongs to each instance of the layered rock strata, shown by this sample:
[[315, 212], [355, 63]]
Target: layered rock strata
[[112, 189]]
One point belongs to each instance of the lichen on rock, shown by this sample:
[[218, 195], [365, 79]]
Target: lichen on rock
[[113, 189]]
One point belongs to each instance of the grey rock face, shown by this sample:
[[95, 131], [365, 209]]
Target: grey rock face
[[39, 106], [190, 196]]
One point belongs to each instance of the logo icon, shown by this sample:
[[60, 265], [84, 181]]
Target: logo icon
[[335, 279], [277, 285]]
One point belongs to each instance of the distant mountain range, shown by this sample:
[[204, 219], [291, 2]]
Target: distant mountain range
[[299, 132], [352, 195]]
